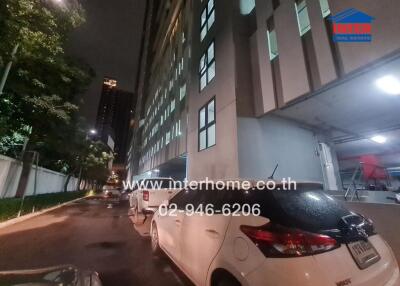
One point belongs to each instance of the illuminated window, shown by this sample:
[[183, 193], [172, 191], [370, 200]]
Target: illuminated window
[[207, 126], [246, 6], [324, 8], [302, 17], [207, 19], [172, 105], [207, 66], [182, 92], [272, 43]]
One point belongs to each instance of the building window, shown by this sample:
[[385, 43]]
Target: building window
[[182, 92], [207, 126], [247, 6], [272, 43], [207, 18], [207, 66], [172, 105], [302, 17], [324, 8]]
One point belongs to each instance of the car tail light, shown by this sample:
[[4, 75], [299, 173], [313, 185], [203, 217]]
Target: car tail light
[[146, 195], [279, 241]]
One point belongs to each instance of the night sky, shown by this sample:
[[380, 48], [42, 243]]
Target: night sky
[[109, 42]]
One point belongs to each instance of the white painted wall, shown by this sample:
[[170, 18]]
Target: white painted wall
[[10, 172], [271, 140], [47, 181]]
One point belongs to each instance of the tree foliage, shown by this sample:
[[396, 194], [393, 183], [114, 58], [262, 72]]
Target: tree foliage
[[44, 83]]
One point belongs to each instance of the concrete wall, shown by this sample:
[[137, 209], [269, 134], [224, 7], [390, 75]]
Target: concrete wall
[[10, 171], [219, 161], [385, 31], [271, 140], [47, 181]]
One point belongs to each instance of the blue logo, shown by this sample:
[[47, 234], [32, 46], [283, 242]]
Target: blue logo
[[352, 25]]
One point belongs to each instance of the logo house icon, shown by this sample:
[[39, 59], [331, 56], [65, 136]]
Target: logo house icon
[[351, 25]]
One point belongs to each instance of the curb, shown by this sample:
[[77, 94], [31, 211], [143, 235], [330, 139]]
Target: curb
[[16, 220]]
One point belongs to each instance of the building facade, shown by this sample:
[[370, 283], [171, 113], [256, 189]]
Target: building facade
[[246, 86], [115, 109]]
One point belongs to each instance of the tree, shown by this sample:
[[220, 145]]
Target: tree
[[96, 161], [43, 83]]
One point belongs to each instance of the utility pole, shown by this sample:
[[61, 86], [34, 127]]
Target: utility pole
[[8, 68]]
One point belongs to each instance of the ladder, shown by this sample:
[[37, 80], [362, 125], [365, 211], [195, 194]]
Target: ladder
[[352, 188]]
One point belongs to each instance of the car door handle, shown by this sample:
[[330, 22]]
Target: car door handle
[[170, 192], [212, 232], [178, 221]]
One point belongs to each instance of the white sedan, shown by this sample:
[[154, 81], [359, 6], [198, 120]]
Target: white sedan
[[271, 238]]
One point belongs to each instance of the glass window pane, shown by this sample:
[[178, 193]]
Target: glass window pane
[[202, 122], [211, 135], [202, 63], [211, 111], [172, 105], [210, 53], [203, 33], [324, 8], [246, 6], [272, 44], [203, 17], [210, 5], [211, 19], [183, 94], [202, 141], [203, 81], [302, 17], [211, 71]]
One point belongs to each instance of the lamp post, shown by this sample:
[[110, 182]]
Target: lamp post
[[8, 68], [9, 64]]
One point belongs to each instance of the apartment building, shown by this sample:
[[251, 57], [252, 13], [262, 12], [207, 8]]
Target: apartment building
[[265, 84]]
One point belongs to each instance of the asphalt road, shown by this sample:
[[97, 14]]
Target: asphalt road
[[93, 236], [88, 235]]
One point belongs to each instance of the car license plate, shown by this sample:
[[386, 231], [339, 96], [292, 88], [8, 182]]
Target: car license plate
[[364, 253]]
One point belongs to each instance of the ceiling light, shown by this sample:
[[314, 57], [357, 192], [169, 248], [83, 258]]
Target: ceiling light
[[389, 84], [379, 139]]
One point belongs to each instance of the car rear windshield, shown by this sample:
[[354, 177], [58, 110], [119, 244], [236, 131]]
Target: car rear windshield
[[308, 210]]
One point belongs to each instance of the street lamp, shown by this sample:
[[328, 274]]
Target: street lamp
[[93, 131]]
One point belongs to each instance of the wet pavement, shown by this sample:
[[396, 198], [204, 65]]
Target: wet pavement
[[90, 234]]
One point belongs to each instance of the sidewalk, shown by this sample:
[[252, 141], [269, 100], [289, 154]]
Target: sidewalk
[[35, 214]]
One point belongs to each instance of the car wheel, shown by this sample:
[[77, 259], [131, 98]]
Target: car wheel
[[155, 245]]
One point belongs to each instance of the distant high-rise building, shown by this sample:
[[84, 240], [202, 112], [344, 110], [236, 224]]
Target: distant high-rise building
[[113, 117], [106, 110]]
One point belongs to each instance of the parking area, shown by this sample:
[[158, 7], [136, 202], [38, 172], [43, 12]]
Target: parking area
[[91, 235], [99, 235]]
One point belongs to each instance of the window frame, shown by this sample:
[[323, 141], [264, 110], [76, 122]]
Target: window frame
[[271, 29], [207, 66], [208, 14], [207, 125], [308, 28]]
